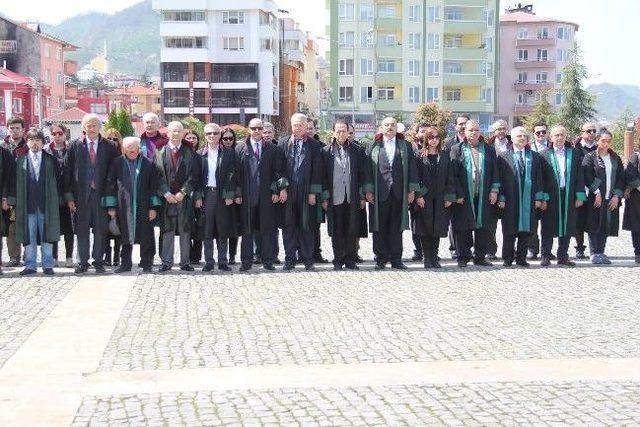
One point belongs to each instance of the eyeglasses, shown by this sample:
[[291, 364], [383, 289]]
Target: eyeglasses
[[541, 132], [227, 138], [115, 139], [57, 133], [256, 128], [590, 131], [211, 133], [432, 137]]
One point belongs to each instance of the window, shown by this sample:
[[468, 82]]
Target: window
[[234, 73], [522, 33], [434, 13], [489, 70], [266, 18], [388, 40], [487, 95], [452, 94], [47, 75], [233, 17], [452, 41], [521, 99], [59, 78], [346, 11], [543, 55], [185, 42], [345, 94], [414, 67], [433, 68], [173, 15], [543, 33], [563, 33], [386, 11], [346, 39], [414, 94], [175, 72], [559, 98], [230, 98], [266, 44], [176, 98], [366, 40], [345, 67], [559, 77], [366, 67], [523, 55], [366, 12], [489, 16], [453, 14], [386, 66], [233, 43], [366, 94], [541, 77], [433, 94], [59, 54], [488, 44], [17, 105], [452, 67], [47, 51], [415, 13], [199, 72], [563, 55], [414, 41], [522, 77], [98, 108], [386, 93], [433, 41]]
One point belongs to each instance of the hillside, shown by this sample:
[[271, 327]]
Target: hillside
[[133, 41], [612, 100]]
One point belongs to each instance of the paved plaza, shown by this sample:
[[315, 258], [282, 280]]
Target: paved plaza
[[479, 346]]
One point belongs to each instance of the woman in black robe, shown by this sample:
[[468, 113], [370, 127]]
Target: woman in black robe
[[631, 218]]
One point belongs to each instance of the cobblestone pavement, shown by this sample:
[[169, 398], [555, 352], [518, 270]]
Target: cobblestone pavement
[[610, 403], [24, 304]]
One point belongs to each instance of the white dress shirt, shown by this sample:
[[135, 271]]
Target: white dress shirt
[[608, 168], [390, 148], [501, 145], [212, 163], [562, 165], [257, 145], [35, 159]]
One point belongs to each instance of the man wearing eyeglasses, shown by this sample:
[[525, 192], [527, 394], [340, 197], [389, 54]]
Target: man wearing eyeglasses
[[587, 144], [263, 187], [540, 145]]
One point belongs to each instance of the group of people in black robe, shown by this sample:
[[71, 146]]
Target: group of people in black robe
[[253, 188]]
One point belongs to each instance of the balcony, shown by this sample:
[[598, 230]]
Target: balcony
[[459, 79], [468, 53], [388, 79], [535, 42], [467, 106], [533, 86], [184, 29], [388, 24], [184, 55], [534, 63], [389, 51], [464, 27], [389, 105]]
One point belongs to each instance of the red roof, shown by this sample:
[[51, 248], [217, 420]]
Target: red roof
[[137, 91], [8, 76], [524, 17], [71, 115]]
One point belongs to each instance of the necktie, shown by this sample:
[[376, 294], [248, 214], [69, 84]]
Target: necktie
[[296, 153], [521, 162], [92, 152], [256, 150], [174, 156]]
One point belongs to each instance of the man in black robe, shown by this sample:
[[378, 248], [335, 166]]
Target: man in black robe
[[586, 144], [133, 200], [85, 178]]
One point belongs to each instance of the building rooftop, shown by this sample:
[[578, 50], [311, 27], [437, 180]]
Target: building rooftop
[[529, 18], [8, 76], [74, 114]]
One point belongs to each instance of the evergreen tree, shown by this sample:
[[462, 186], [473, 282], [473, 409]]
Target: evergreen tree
[[124, 123], [542, 113], [432, 114], [112, 121], [577, 105]]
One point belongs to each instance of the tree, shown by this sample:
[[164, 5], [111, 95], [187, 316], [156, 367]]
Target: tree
[[112, 121], [432, 114], [195, 125], [618, 127], [577, 104], [542, 112], [124, 123]]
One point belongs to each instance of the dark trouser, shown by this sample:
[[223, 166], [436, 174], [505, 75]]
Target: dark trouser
[[598, 239], [147, 250], [95, 219], [233, 247], [508, 242], [635, 238], [297, 241], [68, 247], [466, 239], [246, 246], [387, 241], [580, 241], [417, 245], [533, 243], [563, 247], [430, 245], [344, 242], [116, 248], [492, 228], [222, 251], [317, 251], [274, 244], [195, 254], [452, 241]]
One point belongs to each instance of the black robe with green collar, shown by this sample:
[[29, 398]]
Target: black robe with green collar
[[631, 219], [595, 178]]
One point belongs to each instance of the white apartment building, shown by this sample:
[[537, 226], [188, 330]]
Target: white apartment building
[[219, 60]]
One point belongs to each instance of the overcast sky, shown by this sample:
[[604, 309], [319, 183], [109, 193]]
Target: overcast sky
[[608, 29]]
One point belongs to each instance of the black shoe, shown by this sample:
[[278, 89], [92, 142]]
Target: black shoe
[[123, 269], [380, 266], [492, 257], [428, 263], [532, 256], [288, 266], [580, 254], [27, 272], [507, 263], [416, 258], [224, 267], [187, 267], [309, 267], [163, 268], [268, 266], [637, 259], [462, 262], [482, 262], [99, 269], [523, 263], [232, 260], [48, 272], [245, 267], [351, 267], [436, 263], [454, 255], [13, 263], [552, 257], [566, 262], [319, 260], [337, 267], [359, 259], [277, 261], [257, 260], [208, 267], [399, 266], [81, 269], [546, 262], [299, 260], [147, 270], [107, 262]]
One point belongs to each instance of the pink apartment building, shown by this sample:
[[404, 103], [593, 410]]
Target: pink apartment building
[[533, 52]]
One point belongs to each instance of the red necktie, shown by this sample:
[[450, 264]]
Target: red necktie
[[256, 150], [174, 156]]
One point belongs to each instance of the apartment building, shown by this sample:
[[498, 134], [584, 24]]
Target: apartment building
[[219, 60], [533, 52], [388, 56]]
